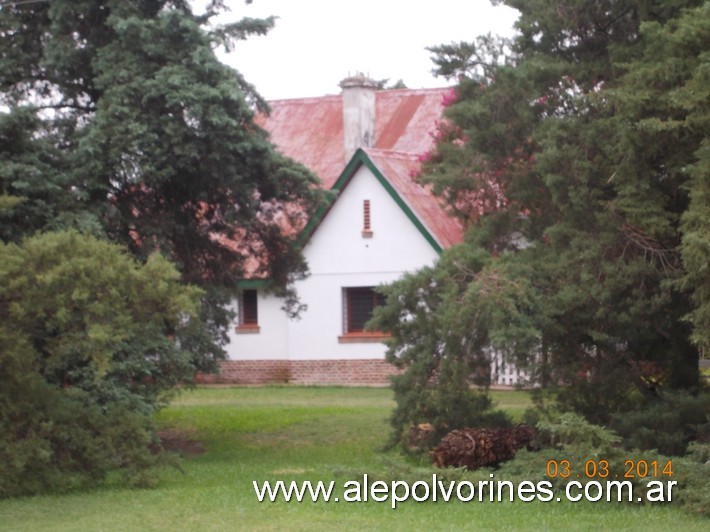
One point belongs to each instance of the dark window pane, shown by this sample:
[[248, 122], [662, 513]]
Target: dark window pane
[[360, 304], [250, 311]]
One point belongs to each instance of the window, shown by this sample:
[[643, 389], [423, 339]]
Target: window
[[358, 304], [248, 312]]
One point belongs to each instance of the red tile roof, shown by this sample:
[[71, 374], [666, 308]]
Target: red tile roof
[[310, 130]]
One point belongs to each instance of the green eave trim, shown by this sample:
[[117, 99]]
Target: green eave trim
[[360, 158], [247, 284]]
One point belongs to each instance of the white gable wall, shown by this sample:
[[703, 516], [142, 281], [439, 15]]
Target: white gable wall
[[339, 256], [338, 246]]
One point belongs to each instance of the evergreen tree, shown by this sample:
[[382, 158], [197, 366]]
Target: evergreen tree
[[122, 122], [570, 160]]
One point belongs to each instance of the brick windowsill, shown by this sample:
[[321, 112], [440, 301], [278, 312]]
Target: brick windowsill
[[247, 329], [363, 338]]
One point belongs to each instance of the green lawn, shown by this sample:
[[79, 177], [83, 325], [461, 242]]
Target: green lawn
[[295, 433]]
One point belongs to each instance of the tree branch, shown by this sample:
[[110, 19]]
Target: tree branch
[[90, 109]]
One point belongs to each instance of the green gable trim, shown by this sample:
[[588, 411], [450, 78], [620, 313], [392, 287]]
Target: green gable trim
[[402, 205], [360, 158]]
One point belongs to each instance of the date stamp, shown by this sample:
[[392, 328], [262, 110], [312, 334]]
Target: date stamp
[[593, 469]]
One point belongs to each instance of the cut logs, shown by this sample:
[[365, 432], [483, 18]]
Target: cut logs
[[474, 448]]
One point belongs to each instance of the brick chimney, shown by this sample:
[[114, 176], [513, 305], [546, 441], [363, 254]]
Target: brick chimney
[[358, 113]]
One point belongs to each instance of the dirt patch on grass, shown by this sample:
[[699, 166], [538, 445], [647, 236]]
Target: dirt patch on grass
[[179, 441]]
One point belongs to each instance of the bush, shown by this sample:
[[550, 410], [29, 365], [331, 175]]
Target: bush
[[570, 437], [668, 423], [567, 436], [89, 349], [450, 404]]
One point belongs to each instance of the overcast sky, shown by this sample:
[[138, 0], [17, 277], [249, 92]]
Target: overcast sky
[[316, 43]]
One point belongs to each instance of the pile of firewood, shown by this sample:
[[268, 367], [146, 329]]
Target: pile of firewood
[[474, 448]]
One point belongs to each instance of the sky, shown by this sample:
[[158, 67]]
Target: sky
[[317, 43]]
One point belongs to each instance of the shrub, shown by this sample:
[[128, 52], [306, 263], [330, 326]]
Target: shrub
[[570, 437], [448, 404], [89, 349], [668, 423]]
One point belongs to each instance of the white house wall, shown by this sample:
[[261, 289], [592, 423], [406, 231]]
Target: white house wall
[[271, 342], [339, 256]]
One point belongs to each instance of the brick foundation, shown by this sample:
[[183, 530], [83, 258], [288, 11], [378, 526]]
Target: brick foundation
[[248, 372], [363, 372], [360, 372]]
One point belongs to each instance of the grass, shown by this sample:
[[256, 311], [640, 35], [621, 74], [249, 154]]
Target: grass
[[296, 433]]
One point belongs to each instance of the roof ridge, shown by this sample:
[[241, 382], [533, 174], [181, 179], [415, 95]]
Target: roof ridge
[[422, 90], [397, 154], [419, 90], [305, 99]]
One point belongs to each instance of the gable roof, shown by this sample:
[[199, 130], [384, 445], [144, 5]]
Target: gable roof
[[310, 131]]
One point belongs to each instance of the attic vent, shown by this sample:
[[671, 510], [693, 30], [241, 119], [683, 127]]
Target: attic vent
[[366, 227]]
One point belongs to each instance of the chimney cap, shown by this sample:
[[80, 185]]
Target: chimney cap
[[359, 80]]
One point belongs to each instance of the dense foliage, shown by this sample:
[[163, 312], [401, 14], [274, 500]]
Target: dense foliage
[[90, 346], [578, 161], [118, 121], [122, 122]]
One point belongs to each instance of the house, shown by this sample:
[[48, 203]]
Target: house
[[366, 146]]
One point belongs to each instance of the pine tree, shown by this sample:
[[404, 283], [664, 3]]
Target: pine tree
[[122, 122], [570, 160]]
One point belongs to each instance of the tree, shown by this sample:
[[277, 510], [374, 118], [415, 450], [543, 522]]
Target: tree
[[440, 319], [122, 122], [570, 161], [90, 347], [689, 98], [31, 169]]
